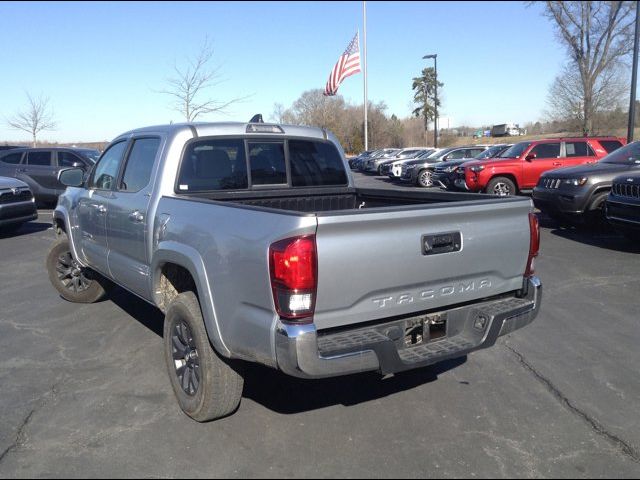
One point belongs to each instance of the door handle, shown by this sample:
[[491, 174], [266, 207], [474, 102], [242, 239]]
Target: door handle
[[99, 208], [22, 170], [136, 216], [556, 164]]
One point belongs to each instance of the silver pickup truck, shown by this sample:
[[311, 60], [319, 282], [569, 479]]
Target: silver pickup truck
[[257, 246]]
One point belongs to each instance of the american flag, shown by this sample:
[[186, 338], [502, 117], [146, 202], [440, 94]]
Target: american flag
[[348, 64]]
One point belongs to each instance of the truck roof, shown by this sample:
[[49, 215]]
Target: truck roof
[[204, 129]]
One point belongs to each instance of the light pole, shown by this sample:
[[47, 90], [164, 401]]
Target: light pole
[[634, 77], [435, 101]]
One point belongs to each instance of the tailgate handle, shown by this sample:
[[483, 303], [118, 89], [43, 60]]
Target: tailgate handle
[[441, 243]]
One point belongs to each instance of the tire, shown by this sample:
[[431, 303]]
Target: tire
[[425, 178], [213, 385], [74, 283], [502, 187], [594, 215]]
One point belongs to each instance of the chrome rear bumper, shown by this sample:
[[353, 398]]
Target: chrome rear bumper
[[303, 352]]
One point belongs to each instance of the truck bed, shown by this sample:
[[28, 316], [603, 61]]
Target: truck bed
[[320, 201]]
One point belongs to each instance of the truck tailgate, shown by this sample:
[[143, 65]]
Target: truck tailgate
[[372, 264]]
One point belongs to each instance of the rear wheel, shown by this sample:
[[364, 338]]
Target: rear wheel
[[425, 178], [206, 385], [74, 282], [501, 186]]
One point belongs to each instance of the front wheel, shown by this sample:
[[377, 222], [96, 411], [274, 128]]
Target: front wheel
[[207, 386], [501, 186], [425, 178], [74, 282]]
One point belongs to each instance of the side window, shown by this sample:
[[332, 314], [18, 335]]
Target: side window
[[474, 152], [315, 164], [12, 158], [267, 163], [457, 154], [546, 150], [578, 149], [610, 145], [137, 171], [213, 165], [106, 171], [67, 159], [39, 159]]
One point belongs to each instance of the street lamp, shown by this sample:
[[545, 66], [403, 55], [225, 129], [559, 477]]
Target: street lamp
[[435, 101], [634, 79]]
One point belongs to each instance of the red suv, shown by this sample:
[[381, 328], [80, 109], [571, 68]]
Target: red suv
[[518, 168]]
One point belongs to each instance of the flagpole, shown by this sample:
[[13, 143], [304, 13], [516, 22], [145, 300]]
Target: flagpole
[[364, 15]]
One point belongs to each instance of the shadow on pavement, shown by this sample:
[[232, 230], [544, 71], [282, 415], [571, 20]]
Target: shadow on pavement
[[287, 395], [26, 229], [145, 313], [284, 394], [602, 237]]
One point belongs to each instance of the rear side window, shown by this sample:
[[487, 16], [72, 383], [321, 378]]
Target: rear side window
[[267, 163], [137, 172], [578, 149], [610, 145], [39, 159], [66, 159], [12, 158], [213, 165], [315, 164], [546, 150]]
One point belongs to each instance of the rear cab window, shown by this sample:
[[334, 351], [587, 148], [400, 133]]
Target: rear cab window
[[216, 164]]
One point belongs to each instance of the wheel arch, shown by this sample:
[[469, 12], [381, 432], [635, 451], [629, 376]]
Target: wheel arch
[[176, 268]]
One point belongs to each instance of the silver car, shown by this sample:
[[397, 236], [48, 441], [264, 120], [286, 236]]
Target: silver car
[[17, 204]]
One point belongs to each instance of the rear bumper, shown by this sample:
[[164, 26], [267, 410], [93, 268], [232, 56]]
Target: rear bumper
[[303, 352], [18, 212]]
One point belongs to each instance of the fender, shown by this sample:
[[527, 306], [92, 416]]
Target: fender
[[62, 214], [188, 258]]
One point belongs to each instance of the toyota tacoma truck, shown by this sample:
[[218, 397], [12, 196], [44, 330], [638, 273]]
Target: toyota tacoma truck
[[256, 245]]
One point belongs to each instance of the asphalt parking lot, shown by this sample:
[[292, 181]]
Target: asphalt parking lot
[[85, 392]]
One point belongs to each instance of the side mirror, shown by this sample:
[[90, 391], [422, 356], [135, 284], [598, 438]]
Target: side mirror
[[71, 177], [530, 157]]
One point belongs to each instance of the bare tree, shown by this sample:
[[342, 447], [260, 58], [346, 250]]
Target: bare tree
[[36, 118], [597, 34], [566, 98], [189, 84]]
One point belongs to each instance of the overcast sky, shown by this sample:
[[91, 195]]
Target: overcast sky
[[101, 64]]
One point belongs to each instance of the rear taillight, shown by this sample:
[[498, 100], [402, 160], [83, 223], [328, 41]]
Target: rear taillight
[[293, 269], [534, 244]]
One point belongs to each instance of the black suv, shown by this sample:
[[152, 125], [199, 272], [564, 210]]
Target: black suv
[[577, 194], [39, 167], [622, 207]]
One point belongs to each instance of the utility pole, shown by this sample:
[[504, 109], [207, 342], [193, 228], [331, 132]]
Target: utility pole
[[364, 64], [634, 79]]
